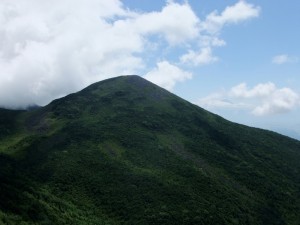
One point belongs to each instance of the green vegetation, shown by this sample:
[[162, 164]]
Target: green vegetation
[[124, 151]]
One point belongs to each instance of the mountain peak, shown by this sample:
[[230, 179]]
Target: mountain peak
[[123, 81], [130, 88]]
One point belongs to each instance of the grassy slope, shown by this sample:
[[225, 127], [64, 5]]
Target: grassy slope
[[124, 151]]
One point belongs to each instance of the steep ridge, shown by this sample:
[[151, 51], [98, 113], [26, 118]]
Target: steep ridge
[[125, 151]]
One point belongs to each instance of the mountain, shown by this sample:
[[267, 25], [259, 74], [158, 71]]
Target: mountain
[[125, 151]]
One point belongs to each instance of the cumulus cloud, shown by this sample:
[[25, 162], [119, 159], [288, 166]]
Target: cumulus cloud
[[50, 49], [284, 58], [167, 75], [199, 58], [236, 13], [211, 27], [166, 23], [279, 101], [261, 100], [260, 90]]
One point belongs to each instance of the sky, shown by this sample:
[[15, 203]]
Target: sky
[[238, 59]]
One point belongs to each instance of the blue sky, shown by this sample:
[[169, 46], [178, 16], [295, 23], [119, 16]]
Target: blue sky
[[248, 57], [239, 59]]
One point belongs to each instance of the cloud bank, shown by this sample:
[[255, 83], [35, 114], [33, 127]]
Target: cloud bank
[[262, 100], [50, 49]]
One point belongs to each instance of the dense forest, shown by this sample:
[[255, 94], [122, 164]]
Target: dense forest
[[125, 151]]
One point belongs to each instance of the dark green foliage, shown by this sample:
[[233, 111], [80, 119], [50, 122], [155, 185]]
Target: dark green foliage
[[124, 151], [8, 122]]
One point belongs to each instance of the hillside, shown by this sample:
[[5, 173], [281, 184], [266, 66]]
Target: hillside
[[125, 151]]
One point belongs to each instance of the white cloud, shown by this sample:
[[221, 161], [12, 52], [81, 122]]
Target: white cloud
[[284, 58], [49, 49], [199, 58], [237, 13], [208, 41], [167, 75], [261, 100], [219, 100], [210, 30], [280, 101], [260, 90], [166, 23]]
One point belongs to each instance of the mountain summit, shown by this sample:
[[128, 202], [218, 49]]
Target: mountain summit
[[125, 151]]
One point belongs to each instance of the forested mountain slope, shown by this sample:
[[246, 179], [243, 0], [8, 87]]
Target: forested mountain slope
[[125, 151]]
